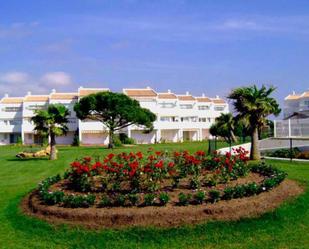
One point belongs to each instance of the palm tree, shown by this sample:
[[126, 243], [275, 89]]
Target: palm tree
[[51, 122], [253, 105], [224, 127]]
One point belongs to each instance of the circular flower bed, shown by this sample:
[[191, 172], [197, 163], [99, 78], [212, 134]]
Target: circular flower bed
[[137, 181]]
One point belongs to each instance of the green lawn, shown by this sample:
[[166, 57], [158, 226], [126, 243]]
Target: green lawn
[[287, 227]]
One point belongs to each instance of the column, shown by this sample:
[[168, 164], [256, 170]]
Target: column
[[158, 136], [180, 135], [79, 131], [129, 132]]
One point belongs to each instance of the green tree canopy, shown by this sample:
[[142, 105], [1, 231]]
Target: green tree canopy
[[51, 122], [224, 127], [253, 105], [115, 110]]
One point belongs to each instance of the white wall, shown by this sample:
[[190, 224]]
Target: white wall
[[94, 138], [142, 138], [65, 140], [169, 135], [4, 138]]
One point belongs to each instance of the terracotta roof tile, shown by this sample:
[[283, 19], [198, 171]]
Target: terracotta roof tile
[[186, 97], [167, 96], [36, 98], [203, 99], [64, 96], [87, 91], [305, 95], [292, 97], [12, 100], [218, 101], [140, 92]]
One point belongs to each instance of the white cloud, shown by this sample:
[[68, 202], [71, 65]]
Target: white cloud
[[239, 24], [56, 79], [19, 83], [14, 77]]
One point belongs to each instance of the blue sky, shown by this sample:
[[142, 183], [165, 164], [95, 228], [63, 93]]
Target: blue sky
[[201, 46]]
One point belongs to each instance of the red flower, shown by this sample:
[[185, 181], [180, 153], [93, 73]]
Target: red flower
[[158, 153], [228, 154], [176, 154], [159, 164], [96, 166], [171, 164], [151, 158], [139, 155], [110, 156], [200, 153]]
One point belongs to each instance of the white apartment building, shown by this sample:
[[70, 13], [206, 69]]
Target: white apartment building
[[296, 103], [179, 117], [295, 121]]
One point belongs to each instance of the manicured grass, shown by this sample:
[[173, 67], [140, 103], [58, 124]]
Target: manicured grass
[[287, 227]]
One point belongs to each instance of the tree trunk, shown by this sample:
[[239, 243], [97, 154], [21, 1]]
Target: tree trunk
[[111, 138], [234, 138], [53, 150], [255, 151]]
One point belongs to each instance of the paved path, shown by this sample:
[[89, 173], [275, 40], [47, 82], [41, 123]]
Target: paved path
[[271, 144]]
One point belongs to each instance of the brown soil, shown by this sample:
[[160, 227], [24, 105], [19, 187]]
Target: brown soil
[[168, 216]]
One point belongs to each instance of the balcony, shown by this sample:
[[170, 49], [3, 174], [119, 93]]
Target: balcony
[[10, 128]]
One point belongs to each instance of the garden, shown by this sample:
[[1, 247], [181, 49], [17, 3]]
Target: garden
[[160, 188], [285, 226]]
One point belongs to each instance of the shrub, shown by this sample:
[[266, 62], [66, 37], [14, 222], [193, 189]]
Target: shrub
[[105, 201], [76, 141], [195, 183], [184, 199], [214, 195], [76, 201], [149, 199], [210, 180], [228, 193], [239, 191], [52, 198], [199, 197], [284, 153], [125, 139], [134, 199], [120, 200], [252, 189], [164, 198], [117, 141]]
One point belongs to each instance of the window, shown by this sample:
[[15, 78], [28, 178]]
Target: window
[[306, 102], [186, 106], [167, 119], [185, 119], [202, 119], [36, 107], [167, 105], [203, 107], [12, 109], [219, 108], [189, 119]]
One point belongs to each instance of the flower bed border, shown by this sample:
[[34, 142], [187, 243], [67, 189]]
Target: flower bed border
[[167, 216]]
